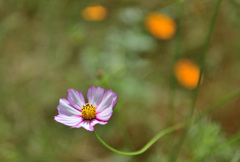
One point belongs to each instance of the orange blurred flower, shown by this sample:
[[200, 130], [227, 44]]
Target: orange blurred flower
[[161, 26], [94, 13], [187, 73]]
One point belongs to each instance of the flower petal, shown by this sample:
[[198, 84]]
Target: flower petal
[[104, 115], [75, 98], [87, 125], [109, 100], [95, 121], [72, 121], [95, 95], [65, 108]]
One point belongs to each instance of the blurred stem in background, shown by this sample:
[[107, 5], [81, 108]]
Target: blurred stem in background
[[174, 154], [218, 103], [175, 57], [212, 107]]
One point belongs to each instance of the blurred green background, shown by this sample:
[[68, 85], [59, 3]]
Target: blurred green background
[[47, 47]]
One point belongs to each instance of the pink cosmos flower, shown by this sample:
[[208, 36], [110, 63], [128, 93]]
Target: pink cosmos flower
[[75, 112]]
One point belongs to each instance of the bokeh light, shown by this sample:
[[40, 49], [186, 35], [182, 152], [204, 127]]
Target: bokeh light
[[187, 73], [161, 26], [94, 12]]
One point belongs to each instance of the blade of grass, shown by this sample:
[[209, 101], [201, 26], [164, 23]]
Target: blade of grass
[[174, 154]]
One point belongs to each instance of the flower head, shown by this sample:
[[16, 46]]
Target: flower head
[[187, 73], [94, 13], [76, 113], [161, 26]]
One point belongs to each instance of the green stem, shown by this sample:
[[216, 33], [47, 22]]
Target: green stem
[[175, 57], [147, 146], [173, 156], [216, 104], [202, 61]]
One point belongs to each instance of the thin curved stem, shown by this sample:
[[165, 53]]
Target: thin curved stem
[[216, 104], [147, 146]]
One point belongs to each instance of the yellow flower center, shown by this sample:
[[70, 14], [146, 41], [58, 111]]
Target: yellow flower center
[[88, 111]]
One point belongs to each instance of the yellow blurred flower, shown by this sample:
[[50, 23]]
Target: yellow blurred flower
[[187, 73], [161, 26], [94, 13]]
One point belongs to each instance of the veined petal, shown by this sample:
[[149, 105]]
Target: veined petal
[[72, 121], [86, 124], [95, 95], [65, 108], [109, 100], [75, 98], [104, 115], [95, 121]]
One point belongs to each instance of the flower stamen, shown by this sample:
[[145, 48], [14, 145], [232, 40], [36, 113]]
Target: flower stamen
[[88, 111]]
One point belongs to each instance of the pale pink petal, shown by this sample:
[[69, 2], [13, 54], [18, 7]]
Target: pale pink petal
[[95, 95], [104, 115], [65, 108], [109, 100], [95, 121], [72, 121], [86, 124], [75, 98]]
